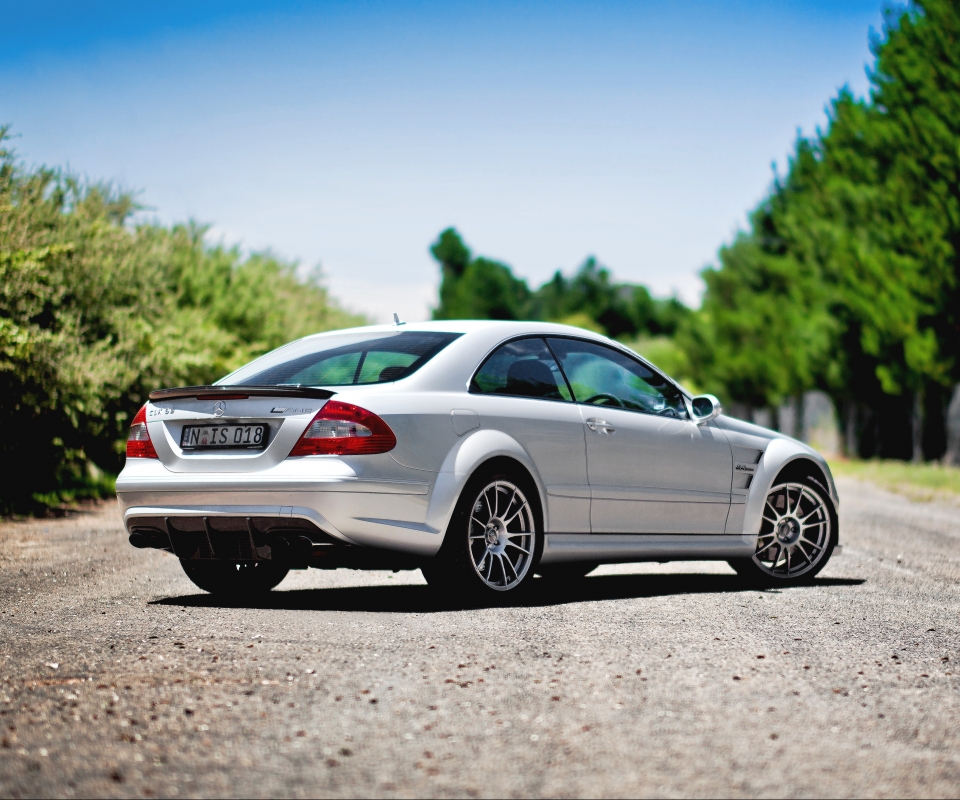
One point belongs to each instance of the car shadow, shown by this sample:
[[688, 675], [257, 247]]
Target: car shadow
[[421, 599]]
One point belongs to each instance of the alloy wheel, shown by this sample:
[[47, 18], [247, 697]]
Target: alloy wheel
[[501, 535], [795, 533]]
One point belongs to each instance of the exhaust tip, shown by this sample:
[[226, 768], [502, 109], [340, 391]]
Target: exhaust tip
[[140, 540], [147, 538]]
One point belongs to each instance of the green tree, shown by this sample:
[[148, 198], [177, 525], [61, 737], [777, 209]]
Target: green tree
[[453, 256], [847, 279], [480, 288], [620, 310], [476, 288]]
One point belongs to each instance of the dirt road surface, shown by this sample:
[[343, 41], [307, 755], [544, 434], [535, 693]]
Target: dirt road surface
[[119, 678]]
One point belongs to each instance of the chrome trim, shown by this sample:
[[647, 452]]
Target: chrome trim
[[239, 482]]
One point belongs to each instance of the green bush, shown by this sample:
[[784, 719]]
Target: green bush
[[95, 312]]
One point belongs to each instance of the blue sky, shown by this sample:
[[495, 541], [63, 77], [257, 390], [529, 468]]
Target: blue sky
[[350, 134]]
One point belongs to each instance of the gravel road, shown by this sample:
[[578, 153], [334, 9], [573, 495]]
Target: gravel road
[[118, 678]]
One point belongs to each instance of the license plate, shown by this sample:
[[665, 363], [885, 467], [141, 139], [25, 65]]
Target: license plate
[[223, 437]]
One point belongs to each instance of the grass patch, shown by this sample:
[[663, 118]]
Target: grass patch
[[918, 481]]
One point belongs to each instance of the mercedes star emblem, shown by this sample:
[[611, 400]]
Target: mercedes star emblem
[[219, 408]]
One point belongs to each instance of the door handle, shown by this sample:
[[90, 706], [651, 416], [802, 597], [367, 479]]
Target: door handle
[[600, 425]]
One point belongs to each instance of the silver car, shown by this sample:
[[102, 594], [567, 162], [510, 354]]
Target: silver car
[[480, 452]]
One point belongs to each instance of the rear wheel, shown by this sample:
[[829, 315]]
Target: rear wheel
[[494, 540], [230, 579], [797, 535]]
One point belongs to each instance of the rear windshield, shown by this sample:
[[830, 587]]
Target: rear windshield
[[347, 359]]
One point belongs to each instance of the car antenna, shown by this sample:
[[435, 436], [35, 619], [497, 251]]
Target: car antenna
[[396, 319]]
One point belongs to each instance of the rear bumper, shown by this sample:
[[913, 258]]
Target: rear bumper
[[234, 538], [138, 515], [388, 513]]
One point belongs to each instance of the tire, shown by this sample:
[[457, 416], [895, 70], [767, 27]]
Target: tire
[[230, 579], [494, 541], [566, 573], [797, 535]]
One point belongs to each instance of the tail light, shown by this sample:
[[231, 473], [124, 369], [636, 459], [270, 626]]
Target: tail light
[[138, 440], [342, 429]]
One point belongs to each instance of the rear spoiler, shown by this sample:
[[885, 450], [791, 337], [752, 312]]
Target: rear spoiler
[[239, 392]]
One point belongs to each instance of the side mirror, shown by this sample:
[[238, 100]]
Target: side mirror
[[705, 408]]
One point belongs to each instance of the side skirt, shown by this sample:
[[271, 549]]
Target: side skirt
[[611, 548]]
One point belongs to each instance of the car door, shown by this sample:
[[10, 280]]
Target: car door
[[520, 390], [651, 469]]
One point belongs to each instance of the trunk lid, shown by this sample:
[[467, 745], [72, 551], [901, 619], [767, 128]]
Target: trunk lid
[[279, 413]]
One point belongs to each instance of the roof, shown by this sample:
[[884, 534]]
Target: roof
[[506, 327]]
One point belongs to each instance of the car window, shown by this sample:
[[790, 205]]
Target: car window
[[603, 376], [340, 360], [521, 368]]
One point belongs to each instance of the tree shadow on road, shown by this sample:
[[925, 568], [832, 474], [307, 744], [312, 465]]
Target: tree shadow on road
[[407, 599]]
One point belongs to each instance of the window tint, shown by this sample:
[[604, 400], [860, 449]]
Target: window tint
[[342, 360], [523, 368], [606, 377]]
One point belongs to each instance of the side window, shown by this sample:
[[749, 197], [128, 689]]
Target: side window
[[364, 366], [603, 376], [384, 365], [522, 368], [336, 370]]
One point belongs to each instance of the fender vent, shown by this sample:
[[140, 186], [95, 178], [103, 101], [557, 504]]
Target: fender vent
[[745, 460]]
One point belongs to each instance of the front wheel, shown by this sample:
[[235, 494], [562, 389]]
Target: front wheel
[[494, 540], [230, 579], [797, 535]]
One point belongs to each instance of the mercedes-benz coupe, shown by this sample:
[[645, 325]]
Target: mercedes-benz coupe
[[481, 452]]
